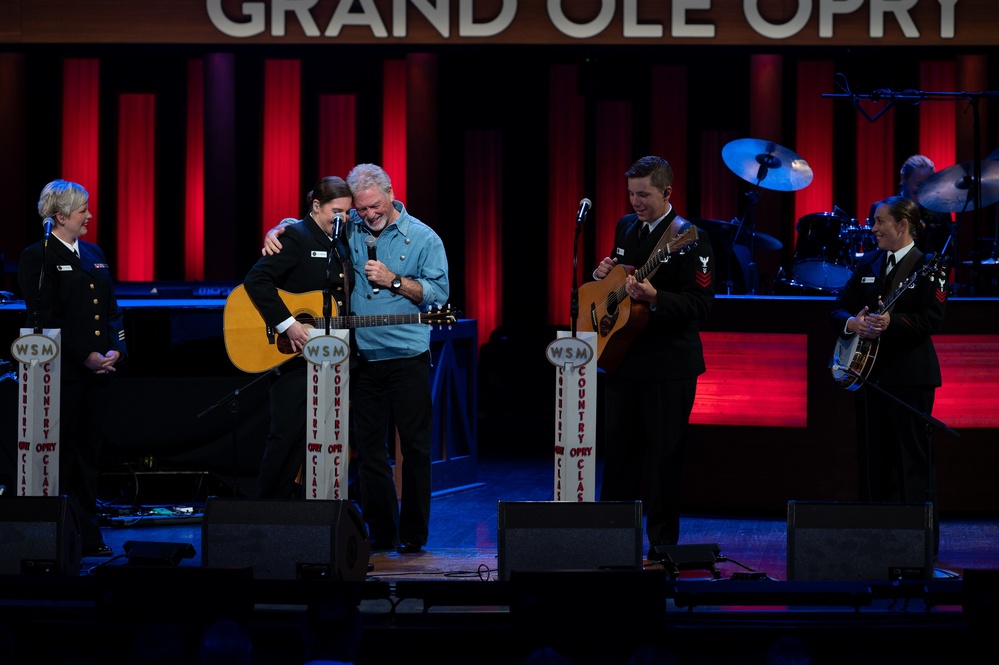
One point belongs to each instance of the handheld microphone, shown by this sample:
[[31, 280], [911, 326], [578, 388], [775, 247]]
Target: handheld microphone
[[371, 241], [47, 224], [584, 208], [337, 224]]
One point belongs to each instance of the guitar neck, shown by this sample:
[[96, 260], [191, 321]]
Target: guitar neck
[[366, 321], [909, 281]]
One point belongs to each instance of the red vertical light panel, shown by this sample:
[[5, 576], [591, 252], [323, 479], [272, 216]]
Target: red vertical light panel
[[80, 121], [753, 380], [613, 157], [814, 139], [136, 187], [937, 120], [565, 185], [337, 134], [281, 179], [877, 174], [394, 125], [969, 369], [484, 238], [669, 129], [194, 174]]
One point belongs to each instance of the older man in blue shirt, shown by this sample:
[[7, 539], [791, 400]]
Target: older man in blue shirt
[[399, 268]]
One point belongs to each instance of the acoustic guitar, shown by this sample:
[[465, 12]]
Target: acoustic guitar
[[853, 358], [254, 347], [606, 309]]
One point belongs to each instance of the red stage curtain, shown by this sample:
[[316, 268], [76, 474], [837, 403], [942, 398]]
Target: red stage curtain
[[614, 156], [565, 186], [877, 172], [282, 189], [484, 232], [80, 122], [394, 125], [136, 187], [14, 148], [719, 186], [814, 140], [668, 131], [194, 174], [337, 135]]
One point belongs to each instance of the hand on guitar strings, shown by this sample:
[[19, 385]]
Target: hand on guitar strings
[[297, 335], [639, 290]]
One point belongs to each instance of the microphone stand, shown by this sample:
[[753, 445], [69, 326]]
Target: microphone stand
[[574, 296], [233, 399], [931, 424], [37, 314]]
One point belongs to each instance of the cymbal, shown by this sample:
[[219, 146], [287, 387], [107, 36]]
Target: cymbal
[[766, 164], [953, 189], [760, 240]]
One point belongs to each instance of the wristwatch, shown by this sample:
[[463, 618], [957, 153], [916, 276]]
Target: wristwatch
[[396, 283]]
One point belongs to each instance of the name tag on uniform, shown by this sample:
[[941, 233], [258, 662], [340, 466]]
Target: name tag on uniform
[[619, 251], [866, 280], [63, 268], [100, 266], [318, 255]]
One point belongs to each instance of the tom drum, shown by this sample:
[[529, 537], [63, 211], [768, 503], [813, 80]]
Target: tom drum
[[821, 254]]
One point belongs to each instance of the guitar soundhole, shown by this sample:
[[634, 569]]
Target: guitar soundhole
[[607, 322], [283, 343]]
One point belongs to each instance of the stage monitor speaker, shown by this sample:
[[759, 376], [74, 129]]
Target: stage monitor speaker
[[288, 540], [39, 535], [859, 541], [561, 535]]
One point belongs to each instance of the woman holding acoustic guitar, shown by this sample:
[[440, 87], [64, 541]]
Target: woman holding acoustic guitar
[[308, 264], [889, 308]]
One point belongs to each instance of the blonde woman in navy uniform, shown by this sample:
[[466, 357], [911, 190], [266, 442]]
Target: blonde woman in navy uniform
[[76, 295]]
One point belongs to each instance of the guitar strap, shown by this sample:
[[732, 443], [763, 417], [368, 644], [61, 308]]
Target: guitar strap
[[672, 224]]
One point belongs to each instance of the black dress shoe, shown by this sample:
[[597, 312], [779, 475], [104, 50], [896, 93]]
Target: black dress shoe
[[409, 548], [97, 550]]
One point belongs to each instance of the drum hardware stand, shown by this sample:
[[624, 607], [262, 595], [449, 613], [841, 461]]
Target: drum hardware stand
[[763, 164], [752, 277]]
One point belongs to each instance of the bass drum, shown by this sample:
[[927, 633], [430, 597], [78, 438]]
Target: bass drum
[[821, 255]]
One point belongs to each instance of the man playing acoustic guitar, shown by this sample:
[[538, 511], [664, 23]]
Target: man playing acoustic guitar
[[649, 393], [306, 264]]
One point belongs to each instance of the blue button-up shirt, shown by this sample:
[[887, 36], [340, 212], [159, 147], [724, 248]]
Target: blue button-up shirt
[[411, 249]]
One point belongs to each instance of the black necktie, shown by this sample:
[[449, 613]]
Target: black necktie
[[644, 234], [889, 264]]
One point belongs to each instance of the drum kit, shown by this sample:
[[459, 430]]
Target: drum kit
[[829, 244], [766, 165]]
